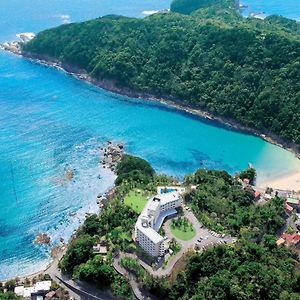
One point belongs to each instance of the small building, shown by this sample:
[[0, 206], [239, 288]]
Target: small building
[[55, 295], [257, 195], [36, 292], [294, 202], [267, 197], [246, 181], [282, 194], [280, 241], [288, 209], [98, 249], [289, 239]]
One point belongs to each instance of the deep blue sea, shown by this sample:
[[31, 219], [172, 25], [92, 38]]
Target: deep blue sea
[[50, 122]]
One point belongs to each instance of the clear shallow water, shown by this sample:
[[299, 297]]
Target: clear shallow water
[[50, 122]]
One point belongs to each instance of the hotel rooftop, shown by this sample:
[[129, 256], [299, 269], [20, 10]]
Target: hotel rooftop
[[151, 218]]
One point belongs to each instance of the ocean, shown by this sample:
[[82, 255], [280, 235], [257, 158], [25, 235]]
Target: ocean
[[50, 122]]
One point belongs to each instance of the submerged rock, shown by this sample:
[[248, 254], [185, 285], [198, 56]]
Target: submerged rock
[[70, 174], [43, 239]]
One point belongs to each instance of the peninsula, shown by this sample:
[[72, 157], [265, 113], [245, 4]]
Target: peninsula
[[244, 71], [211, 236]]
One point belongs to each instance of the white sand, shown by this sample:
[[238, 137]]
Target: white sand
[[286, 182]]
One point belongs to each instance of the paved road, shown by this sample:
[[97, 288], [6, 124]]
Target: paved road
[[77, 290], [85, 291], [138, 292], [208, 241]]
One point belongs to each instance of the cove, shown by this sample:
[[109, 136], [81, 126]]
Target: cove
[[50, 122]]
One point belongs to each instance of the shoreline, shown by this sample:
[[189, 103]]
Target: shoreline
[[109, 85], [180, 105], [110, 154], [288, 181], [171, 103], [60, 251]]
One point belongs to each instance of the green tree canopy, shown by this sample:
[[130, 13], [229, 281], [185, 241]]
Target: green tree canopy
[[244, 70]]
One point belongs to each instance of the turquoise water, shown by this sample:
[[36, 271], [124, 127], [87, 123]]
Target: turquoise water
[[286, 8], [50, 122]]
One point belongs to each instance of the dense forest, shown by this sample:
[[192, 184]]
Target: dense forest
[[253, 268], [221, 204], [254, 271], [244, 69], [189, 6]]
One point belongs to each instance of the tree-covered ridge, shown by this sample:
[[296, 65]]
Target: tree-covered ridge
[[256, 271], [189, 6], [132, 168], [243, 69], [252, 268]]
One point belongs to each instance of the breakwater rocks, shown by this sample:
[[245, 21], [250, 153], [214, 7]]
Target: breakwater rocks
[[112, 154]]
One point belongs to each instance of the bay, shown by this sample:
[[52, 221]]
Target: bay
[[51, 122]]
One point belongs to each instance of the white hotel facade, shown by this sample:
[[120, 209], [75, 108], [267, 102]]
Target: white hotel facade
[[150, 220]]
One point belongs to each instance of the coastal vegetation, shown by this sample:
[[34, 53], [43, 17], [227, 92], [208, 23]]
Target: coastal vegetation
[[247, 270], [9, 296], [81, 263], [222, 272], [133, 266], [221, 204], [9, 287], [242, 70], [112, 228], [135, 169], [249, 173]]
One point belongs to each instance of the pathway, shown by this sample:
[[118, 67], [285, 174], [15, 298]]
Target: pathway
[[138, 292], [77, 290], [208, 241]]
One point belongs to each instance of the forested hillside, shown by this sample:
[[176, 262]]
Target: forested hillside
[[253, 268], [247, 70], [249, 270], [221, 204], [188, 6]]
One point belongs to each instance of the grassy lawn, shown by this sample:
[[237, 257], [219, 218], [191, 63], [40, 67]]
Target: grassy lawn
[[182, 233], [136, 200]]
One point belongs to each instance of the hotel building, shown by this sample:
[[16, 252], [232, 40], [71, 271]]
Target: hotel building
[[150, 220]]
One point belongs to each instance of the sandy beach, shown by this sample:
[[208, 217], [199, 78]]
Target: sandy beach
[[286, 182]]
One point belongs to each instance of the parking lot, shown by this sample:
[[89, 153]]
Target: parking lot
[[204, 237]]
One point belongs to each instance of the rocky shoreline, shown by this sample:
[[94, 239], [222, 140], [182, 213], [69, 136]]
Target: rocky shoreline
[[110, 85], [112, 154]]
